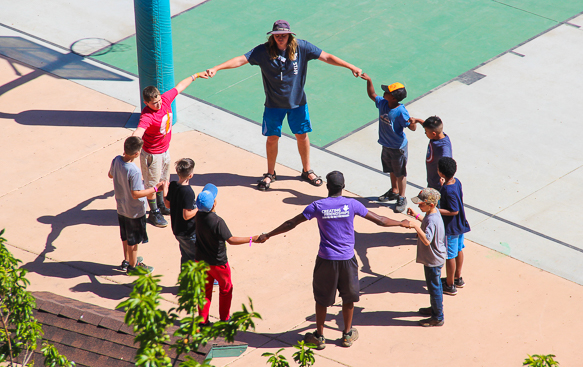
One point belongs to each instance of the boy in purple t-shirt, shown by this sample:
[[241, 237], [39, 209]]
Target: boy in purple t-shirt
[[336, 266], [439, 146]]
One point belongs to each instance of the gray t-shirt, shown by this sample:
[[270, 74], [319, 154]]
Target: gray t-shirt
[[127, 178], [283, 78], [434, 254]]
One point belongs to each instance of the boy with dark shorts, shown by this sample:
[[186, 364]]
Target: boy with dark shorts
[[212, 234], [439, 146], [131, 206], [430, 252], [393, 118], [181, 201], [336, 265], [155, 127], [455, 222]]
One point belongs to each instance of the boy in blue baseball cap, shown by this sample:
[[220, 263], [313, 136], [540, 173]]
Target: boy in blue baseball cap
[[212, 234]]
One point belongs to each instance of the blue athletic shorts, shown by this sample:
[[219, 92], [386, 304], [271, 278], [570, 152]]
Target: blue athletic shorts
[[454, 245], [298, 120]]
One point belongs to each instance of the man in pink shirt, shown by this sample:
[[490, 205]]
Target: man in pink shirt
[[155, 128]]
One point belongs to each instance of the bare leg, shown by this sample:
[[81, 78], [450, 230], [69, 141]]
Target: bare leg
[[401, 185], [347, 313], [450, 270], [271, 149], [459, 261], [132, 254], [125, 250], [320, 318], [394, 183], [304, 149]]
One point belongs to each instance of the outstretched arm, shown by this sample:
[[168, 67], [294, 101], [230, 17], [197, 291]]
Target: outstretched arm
[[369, 87], [288, 225], [235, 62], [379, 220], [413, 121], [180, 87], [336, 61]]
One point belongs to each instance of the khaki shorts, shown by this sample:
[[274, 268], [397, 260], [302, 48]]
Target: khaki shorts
[[155, 167]]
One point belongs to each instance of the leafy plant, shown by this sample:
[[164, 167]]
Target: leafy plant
[[538, 360], [304, 356], [19, 330], [150, 322]]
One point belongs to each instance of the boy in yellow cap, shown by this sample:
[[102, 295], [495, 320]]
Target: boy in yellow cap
[[393, 119]]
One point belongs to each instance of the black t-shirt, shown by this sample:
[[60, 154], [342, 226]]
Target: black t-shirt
[[181, 197], [211, 234]]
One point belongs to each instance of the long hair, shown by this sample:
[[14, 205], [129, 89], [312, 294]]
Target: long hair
[[292, 47]]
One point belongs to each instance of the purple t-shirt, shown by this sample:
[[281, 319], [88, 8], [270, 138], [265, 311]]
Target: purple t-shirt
[[335, 217]]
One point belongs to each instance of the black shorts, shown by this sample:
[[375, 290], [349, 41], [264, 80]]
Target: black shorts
[[395, 160], [330, 275], [132, 230]]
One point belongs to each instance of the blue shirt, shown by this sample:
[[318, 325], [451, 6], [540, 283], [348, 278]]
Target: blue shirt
[[335, 217], [436, 149], [452, 199], [283, 78], [392, 121]]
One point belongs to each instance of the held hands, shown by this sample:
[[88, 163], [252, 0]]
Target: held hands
[[356, 72], [261, 238], [365, 76], [160, 185], [210, 72], [406, 223], [202, 74]]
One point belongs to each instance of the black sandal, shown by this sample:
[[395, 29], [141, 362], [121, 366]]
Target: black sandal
[[306, 176], [262, 185]]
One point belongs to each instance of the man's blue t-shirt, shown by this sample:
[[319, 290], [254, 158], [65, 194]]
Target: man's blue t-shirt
[[436, 149], [452, 199], [335, 217], [283, 78], [392, 121]]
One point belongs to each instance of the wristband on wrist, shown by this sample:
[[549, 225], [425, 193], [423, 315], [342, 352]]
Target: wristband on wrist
[[417, 217], [155, 189], [250, 240]]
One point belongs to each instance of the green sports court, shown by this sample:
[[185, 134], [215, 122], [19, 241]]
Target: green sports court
[[422, 44]]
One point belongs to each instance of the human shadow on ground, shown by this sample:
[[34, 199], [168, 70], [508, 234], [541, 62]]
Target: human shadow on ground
[[64, 118], [75, 216], [74, 269], [373, 285], [366, 241]]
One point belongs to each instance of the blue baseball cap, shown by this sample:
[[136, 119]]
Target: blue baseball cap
[[206, 199]]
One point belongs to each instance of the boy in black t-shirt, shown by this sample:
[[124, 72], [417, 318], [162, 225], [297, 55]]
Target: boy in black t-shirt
[[180, 200], [211, 234]]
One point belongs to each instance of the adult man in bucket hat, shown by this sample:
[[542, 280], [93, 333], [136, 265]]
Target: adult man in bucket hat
[[283, 60]]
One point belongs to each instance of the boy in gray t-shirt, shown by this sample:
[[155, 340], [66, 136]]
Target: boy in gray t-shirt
[[430, 251], [130, 198]]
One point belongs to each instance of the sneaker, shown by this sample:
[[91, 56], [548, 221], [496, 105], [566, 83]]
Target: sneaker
[[401, 204], [124, 264], [163, 210], [141, 265], [315, 339], [449, 289], [459, 283], [157, 220], [388, 196], [426, 311], [348, 339], [430, 322]]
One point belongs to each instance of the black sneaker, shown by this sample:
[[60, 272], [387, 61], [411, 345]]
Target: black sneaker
[[124, 264], [426, 311], [141, 265], [401, 204], [388, 196], [459, 283], [157, 220], [348, 339], [163, 209], [449, 289], [315, 339], [430, 322]]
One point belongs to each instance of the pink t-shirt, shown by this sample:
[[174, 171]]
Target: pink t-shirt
[[158, 124]]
